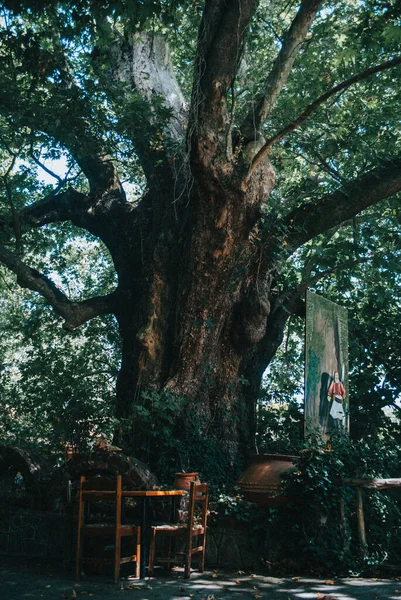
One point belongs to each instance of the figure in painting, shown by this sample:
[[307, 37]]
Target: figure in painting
[[326, 368], [336, 395]]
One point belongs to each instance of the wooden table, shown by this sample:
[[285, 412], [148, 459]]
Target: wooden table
[[145, 494]]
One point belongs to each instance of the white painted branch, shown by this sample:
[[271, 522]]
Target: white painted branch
[[146, 66]]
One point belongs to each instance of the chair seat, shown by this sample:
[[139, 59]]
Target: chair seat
[[166, 527]]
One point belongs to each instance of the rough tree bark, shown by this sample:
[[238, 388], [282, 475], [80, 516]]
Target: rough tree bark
[[195, 303]]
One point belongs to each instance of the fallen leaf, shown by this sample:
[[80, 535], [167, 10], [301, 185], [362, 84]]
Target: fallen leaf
[[77, 585], [191, 595], [131, 586], [240, 572], [214, 575], [257, 596], [329, 582], [238, 582], [295, 578], [149, 587]]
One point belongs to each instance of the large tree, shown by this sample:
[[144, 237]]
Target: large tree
[[170, 164]]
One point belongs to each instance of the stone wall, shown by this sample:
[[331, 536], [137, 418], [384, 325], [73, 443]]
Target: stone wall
[[47, 536], [36, 534], [231, 547]]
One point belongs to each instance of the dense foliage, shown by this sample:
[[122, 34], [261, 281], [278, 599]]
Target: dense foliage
[[56, 389], [157, 213]]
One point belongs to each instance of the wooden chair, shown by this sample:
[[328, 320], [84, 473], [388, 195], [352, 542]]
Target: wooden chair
[[192, 533], [105, 493]]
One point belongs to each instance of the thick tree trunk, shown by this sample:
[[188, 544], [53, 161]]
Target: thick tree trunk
[[196, 408], [193, 309], [191, 316]]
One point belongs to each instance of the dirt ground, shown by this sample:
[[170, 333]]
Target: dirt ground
[[34, 582]]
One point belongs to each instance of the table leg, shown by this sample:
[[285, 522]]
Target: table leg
[[144, 536]]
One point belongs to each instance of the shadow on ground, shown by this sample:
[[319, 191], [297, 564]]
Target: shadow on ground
[[30, 582]]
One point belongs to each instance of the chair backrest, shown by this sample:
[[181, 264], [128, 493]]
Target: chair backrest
[[198, 496], [99, 488]]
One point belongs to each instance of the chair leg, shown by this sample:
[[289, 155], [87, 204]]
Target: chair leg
[[79, 556], [152, 549], [117, 555], [80, 537], [170, 541], [187, 569], [202, 555], [138, 553], [188, 554], [201, 566], [116, 568]]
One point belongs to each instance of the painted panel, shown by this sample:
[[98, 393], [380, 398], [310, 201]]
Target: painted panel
[[326, 367]]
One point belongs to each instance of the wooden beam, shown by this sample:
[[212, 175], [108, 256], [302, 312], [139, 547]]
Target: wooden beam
[[361, 520], [376, 484]]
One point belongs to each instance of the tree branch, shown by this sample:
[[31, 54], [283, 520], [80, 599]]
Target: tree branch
[[291, 295], [64, 98], [316, 103], [143, 62], [140, 65], [282, 306], [94, 161], [74, 313], [14, 212], [80, 210], [64, 206], [281, 68], [43, 166], [311, 219], [220, 44]]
